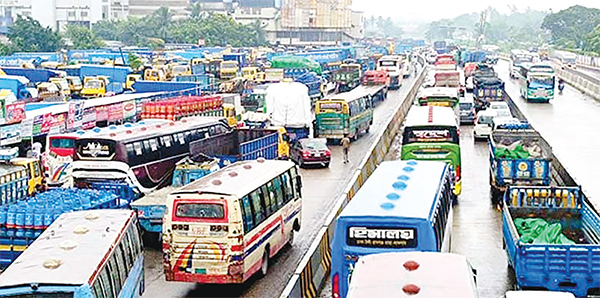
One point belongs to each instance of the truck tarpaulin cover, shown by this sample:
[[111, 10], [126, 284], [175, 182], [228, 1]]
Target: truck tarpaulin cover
[[539, 231], [288, 104], [296, 62]]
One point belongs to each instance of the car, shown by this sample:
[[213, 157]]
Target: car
[[311, 151], [483, 124], [499, 105], [467, 110], [537, 294]]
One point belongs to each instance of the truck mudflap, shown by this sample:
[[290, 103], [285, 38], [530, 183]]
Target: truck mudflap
[[555, 267]]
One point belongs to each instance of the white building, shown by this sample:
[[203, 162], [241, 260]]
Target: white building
[[143, 8], [59, 13]]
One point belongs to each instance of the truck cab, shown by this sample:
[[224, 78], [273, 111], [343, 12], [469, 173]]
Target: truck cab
[[180, 70], [228, 69], [49, 92], [34, 171], [94, 86], [63, 86], [74, 84], [250, 72], [131, 79], [154, 74]]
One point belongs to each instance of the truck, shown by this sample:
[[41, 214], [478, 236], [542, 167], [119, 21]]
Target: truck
[[117, 74], [375, 83], [289, 105], [552, 238], [347, 77], [142, 86], [228, 70], [100, 86], [313, 82], [240, 58], [393, 65], [487, 87], [34, 75], [518, 156], [447, 78], [19, 85]]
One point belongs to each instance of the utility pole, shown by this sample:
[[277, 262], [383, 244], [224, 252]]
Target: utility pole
[[481, 28]]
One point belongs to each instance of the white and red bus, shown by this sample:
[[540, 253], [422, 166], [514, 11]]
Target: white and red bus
[[224, 227], [60, 148]]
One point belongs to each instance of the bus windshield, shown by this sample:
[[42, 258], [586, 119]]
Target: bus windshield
[[325, 107], [388, 63], [200, 210], [432, 134], [545, 82], [62, 143]]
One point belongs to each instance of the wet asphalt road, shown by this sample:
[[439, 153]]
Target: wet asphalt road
[[570, 123], [321, 188]]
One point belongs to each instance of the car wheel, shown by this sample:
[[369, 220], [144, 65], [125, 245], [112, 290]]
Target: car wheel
[[326, 165], [264, 267]]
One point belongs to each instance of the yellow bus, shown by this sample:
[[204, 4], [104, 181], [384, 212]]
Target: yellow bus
[[226, 226]]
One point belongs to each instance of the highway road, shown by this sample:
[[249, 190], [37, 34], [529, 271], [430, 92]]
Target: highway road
[[321, 188], [570, 123]]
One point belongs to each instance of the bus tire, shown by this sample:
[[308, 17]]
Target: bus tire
[[290, 241], [367, 129], [264, 266]]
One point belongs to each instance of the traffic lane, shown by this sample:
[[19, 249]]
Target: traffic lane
[[570, 125], [322, 186], [477, 224]]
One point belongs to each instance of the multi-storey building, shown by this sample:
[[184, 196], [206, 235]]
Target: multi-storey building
[[147, 7]]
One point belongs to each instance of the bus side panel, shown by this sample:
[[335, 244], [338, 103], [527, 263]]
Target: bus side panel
[[134, 286]]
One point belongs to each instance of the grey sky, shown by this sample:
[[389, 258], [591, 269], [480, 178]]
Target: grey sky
[[424, 10]]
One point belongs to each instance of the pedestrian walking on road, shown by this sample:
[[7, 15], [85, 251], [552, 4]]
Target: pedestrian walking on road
[[345, 147]]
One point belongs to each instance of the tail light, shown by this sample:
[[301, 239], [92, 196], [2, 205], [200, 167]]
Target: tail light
[[457, 173], [335, 286], [327, 153], [305, 153]]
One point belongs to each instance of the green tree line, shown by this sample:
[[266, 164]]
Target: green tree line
[[28, 35]]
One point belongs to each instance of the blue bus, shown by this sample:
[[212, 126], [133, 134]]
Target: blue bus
[[403, 206], [83, 254]]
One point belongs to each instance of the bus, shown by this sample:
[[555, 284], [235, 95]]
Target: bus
[[401, 274], [566, 58], [343, 114], [403, 206], [393, 65], [537, 81], [516, 58], [144, 158], [224, 227], [60, 149], [432, 133], [440, 96], [440, 46], [83, 254]]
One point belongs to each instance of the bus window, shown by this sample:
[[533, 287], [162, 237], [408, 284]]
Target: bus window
[[278, 192], [247, 214], [107, 286], [266, 200], [114, 274], [257, 208], [287, 186], [297, 187]]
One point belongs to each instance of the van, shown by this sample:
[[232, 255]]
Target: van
[[467, 110], [483, 124]]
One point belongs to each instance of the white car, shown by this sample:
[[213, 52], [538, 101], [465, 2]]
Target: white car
[[499, 105], [483, 124]]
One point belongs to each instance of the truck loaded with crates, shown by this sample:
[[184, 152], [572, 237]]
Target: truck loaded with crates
[[518, 156], [552, 239]]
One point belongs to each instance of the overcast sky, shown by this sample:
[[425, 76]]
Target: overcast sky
[[424, 10]]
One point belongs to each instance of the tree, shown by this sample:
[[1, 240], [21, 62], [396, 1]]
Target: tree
[[82, 37], [27, 35], [162, 20], [135, 61], [570, 27], [593, 40]]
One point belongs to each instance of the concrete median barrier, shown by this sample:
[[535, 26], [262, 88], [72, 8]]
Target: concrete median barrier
[[313, 270]]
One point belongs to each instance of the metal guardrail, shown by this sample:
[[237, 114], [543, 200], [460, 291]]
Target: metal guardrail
[[313, 270]]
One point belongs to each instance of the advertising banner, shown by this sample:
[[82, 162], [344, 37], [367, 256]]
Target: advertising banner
[[89, 118], [10, 134], [115, 112], [15, 112], [101, 113]]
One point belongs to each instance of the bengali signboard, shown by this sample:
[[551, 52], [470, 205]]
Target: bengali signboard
[[89, 118], [101, 113], [115, 112], [75, 116], [15, 112], [27, 128]]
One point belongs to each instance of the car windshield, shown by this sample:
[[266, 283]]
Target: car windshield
[[503, 113], [484, 119], [314, 145], [466, 105]]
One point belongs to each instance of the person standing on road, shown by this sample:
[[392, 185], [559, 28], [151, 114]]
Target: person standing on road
[[345, 147]]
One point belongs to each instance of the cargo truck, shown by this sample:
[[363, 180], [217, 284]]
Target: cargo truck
[[142, 86], [552, 239], [518, 156], [34, 75], [288, 105], [19, 86]]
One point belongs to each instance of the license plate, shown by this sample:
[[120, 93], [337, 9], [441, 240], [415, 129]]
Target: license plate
[[199, 231]]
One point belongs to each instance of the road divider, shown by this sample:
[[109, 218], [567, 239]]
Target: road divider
[[313, 270]]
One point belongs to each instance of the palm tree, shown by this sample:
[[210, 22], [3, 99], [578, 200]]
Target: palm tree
[[162, 19]]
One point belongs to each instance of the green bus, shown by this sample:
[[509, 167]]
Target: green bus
[[432, 133], [537, 82], [440, 96], [343, 114]]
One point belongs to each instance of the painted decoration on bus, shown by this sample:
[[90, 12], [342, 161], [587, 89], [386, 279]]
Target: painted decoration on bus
[[75, 116], [10, 134], [382, 237], [89, 118], [115, 112], [15, 112], [104, 149], [334, 106], [27, 128], [129, 111], [101, 113], [58, 123], [438, 135]]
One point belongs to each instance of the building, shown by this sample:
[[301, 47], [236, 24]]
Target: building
[[265, 12], [59, 13], [357, 27], [142, 8]]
